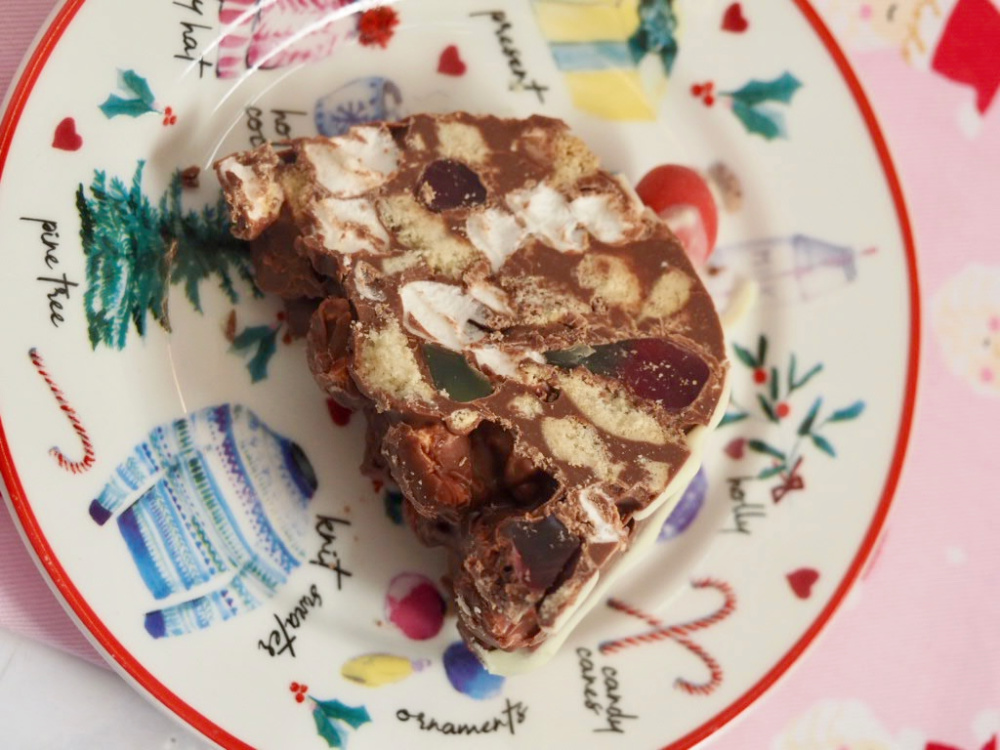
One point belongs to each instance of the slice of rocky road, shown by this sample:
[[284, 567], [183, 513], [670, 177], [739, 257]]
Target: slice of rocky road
[[534, 352]]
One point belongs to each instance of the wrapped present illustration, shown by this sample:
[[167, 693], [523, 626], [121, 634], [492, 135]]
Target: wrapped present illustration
[[363, 100], [212, 508], [615, 55], [786, 270]]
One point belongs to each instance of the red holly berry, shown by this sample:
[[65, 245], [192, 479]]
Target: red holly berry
[[697, 89], [305, 689], [710, 86], [782, 410], [294, 687], [300, 698], [709, 100], [168, 111], [376, 26], [760, 376]]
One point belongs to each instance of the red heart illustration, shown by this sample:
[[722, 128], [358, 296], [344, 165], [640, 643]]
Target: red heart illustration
[[734, 20], [802, 581], [66, 137], [734, 449], [451, 63]]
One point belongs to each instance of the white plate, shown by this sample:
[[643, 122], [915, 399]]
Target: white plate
[[214, 610]]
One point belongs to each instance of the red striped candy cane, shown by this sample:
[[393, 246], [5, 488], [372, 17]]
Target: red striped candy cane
[[74, 467], [679, 634]]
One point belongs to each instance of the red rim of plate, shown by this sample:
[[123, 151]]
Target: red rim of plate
[[124, 660]]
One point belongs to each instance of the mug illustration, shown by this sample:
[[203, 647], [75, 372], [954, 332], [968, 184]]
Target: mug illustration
[[358, 102], [956, 39], [966, 314], [213, 504]]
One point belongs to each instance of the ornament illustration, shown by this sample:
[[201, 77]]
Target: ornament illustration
[[468, 676], [379, 670], [415, 606]]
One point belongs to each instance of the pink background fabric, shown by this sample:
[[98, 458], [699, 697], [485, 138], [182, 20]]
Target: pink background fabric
[[912, 662]]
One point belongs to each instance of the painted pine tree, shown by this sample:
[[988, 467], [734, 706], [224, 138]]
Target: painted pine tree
[[136, 250]]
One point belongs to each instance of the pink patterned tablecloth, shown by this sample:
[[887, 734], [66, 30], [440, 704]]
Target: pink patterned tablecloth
[[913, 660]]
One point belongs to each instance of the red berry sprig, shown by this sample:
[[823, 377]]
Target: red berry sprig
[[705, 92], [300, 691], [169, 117]]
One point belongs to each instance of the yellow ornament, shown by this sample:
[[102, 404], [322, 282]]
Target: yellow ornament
[[378, 670]]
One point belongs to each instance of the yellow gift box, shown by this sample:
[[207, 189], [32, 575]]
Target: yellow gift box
[[589, 40]]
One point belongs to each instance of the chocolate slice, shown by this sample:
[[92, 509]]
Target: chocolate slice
[[535, 355]]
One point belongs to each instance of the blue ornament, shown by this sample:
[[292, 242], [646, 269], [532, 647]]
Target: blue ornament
[[687, 509], [468, 676]]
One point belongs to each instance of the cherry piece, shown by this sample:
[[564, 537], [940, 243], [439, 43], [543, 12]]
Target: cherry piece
[[544, 550], [653, 369], [448, 184]]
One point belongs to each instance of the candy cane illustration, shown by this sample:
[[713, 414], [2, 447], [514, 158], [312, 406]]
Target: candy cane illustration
[[679, 634], [74, 467]]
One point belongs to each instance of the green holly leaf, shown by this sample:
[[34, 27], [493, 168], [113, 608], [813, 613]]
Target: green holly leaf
[[657, 33], [732, 418], [760, 120], [250, 337], [824, 445], [771, 471], [849, 412], [334, 709], [762, 349], [807, 377], [262, 342], [393, 503], [774, 383], [759, 446], [781, 89], [766, 408], [745, 356], [806, 427], [133, 83], [115, 106], [329, 730]]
